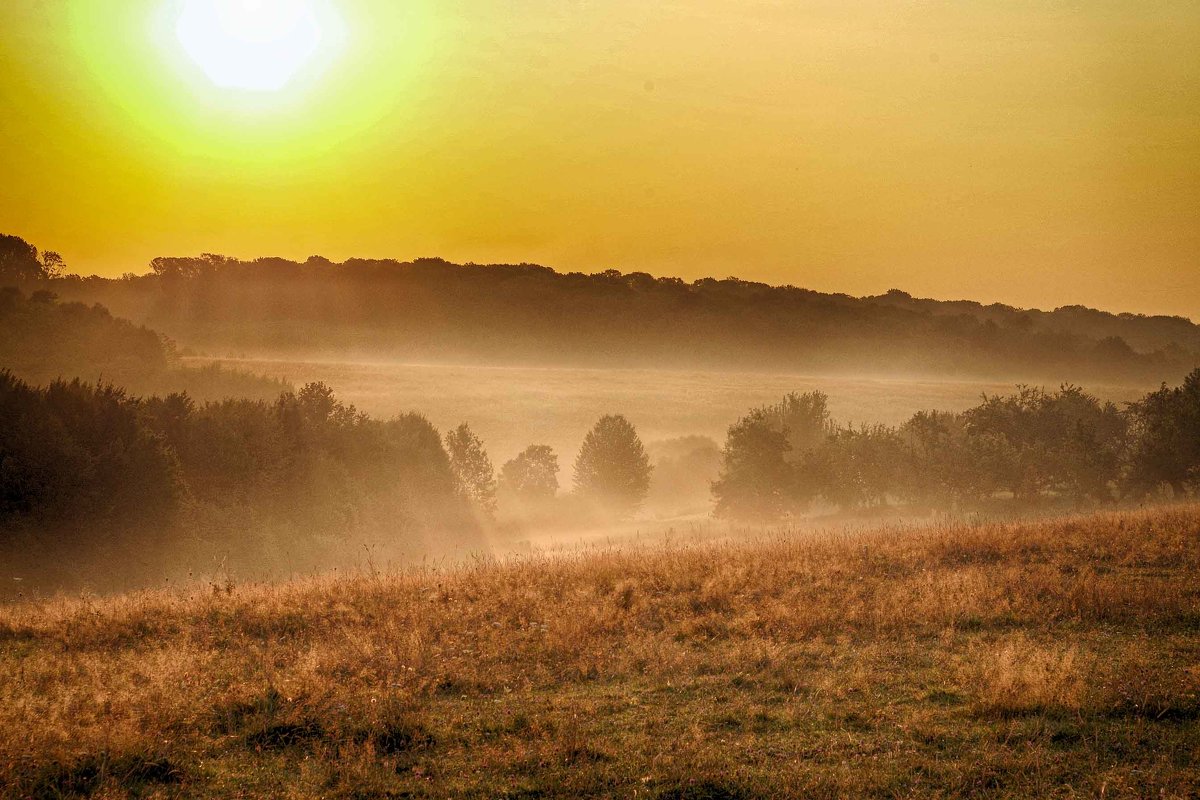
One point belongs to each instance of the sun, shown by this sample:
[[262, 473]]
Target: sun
[[253, 45]]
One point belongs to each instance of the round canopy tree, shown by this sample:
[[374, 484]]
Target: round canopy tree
[[532, 475], [612, 467]]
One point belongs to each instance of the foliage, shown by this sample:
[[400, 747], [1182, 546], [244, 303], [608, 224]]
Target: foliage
[[803, 419], [1065, 441], [612, 467], [21, 263], [525, 313], [856, 467], [472, 468], [756, 480], [1166, 438], [92, 466], [532, 475], [1032, 444], [74, 452], [42, 340]]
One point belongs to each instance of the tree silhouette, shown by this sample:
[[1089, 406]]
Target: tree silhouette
[[522, 312], [19, 261], [755, 476], [803, 419], [532, 475], [53, 265], [612, 466], [472, 468], [1166, 438]]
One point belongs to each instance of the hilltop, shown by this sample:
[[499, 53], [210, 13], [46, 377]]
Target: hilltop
[[433, 310], [43, 340]]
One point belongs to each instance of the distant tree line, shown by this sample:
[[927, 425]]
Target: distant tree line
[[524, 313], [42, 339], [90, 471], [1031, 445], [92, 475], [611, 474], [21, 263]]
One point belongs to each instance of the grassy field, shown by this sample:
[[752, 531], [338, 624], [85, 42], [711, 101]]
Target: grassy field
[[1051, 658], [511, 407]]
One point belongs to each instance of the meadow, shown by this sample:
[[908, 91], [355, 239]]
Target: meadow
[[1055, 657], [511, 407]]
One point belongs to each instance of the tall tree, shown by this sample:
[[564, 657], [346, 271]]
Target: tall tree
[[472, 468], [803, 419], [612, 466]]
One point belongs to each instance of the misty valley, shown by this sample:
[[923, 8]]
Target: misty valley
[[570, 400], [132, 461], [423, 529]]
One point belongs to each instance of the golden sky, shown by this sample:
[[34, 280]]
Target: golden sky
[[1032, 152]]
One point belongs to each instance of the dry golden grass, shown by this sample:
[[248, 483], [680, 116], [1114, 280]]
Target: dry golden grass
[[1051, 658]]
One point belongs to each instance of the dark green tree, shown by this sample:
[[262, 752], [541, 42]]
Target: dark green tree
[[1065, 442], [856, 466]]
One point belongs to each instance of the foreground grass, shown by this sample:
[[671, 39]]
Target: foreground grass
[[1057, 658]]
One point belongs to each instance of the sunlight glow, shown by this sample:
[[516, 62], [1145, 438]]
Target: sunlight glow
[[251, 45]]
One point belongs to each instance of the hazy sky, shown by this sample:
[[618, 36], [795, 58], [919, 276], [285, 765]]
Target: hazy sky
[[1037, 153]]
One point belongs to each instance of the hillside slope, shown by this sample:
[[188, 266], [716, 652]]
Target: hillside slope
[[1049, 659], [43, 340]]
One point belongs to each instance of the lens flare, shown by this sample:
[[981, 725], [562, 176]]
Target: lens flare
[[250, 45]]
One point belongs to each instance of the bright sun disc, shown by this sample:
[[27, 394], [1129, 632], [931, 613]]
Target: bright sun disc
[[252, 45]]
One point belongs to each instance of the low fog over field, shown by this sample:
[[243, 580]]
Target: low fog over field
[[592, 399], [511, 407], [484, 411]]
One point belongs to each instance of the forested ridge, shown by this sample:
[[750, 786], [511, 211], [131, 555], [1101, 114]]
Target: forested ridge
[[42, 339], [431, 309], [112, 451]]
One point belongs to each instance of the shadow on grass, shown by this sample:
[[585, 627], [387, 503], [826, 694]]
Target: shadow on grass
[[707, 789], [86, 775]]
